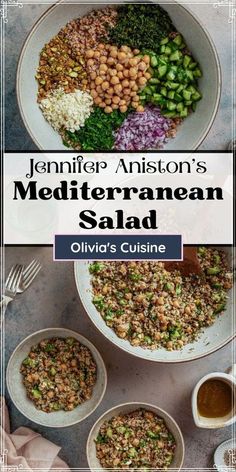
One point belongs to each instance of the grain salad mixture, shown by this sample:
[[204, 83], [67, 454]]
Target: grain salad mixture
[[135, 440], [153, 307], [59, 374], [129, 60]]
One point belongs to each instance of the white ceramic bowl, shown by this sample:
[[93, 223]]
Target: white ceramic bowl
[[17, 391], [94, 463], [192, 131], [211, 339]]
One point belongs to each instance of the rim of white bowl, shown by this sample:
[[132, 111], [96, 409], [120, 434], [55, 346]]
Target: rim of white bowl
[[91, 347], [195, 17], [136, 354], [135, 404]]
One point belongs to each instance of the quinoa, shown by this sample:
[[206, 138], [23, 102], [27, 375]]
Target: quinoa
[[87, 32], [59, 374], [139, 439], [155, 308]]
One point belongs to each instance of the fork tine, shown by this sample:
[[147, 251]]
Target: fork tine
[[8, 281], [15, 278], [29, 267], [32, 274]]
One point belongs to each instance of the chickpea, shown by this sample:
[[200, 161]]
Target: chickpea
[[125, 49], [119, 67], [134, 104], [133, 62], [136, 51], [126, 91], [108, 101], [135, 87], [118, 88], [99, 89], [97, 100], [122, 102], [133, 94], [90, 62], [123, 108], [98, 80], [110, 61], [103, 67], [121, 56], [112, 72], [115, 80], [187, 310], [132, 71], [132, 83], [96, 54], [126, 73], [105, 85], [94, 93], [89, 53], [136, 98], [93, 75], [108, 109], [147, 75], [142, 65], [140, 74], [142, 80], [146, 59], [101, 46], [113, 52], [103, 59], [50, 394], [140, 108], [102, 105], [125, 83], [92, 85], [120, 75], [116, 99], [114, 106]]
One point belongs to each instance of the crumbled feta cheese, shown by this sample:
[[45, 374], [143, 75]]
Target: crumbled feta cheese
[[67, 110]]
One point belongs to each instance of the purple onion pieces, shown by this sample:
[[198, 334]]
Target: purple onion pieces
[[143, 130]]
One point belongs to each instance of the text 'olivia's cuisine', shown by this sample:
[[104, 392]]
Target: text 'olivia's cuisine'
[[118, 78]]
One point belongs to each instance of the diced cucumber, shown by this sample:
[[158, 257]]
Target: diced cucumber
[[180, 88], [186, 95], [178, 40], [184, 113], [175, 56], [192, 65], [147, 90], [180, 107], [154, 80], [171, 105], [157, 97], [178, 97], [186, 61], [163, 91], [174, 85], [188, 103], [194, 106], [154, 61], [170, 75], [189, 75], [169, 114], [171, 94], [168, 50], [162, 48], [164, 41], [197, 72], [162, 70], [196, 96]]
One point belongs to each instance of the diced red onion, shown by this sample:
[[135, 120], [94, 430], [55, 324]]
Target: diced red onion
[[143, 130]]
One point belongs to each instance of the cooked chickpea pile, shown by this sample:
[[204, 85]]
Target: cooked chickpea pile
[[152, 307], [139, 439], [59, 374], [116, 75]]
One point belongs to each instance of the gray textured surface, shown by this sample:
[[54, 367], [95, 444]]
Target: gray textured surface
[[51, 301], [214, 19]]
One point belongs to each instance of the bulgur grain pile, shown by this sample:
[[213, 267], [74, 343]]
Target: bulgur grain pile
[[154, 308], [59, 374], [139, 439]]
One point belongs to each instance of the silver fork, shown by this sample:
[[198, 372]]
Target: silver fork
[[29, 274], [11, 286]]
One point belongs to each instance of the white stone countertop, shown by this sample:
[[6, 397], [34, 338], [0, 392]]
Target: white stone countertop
[[53, 301]]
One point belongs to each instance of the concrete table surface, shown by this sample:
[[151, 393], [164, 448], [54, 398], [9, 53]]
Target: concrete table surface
[[215, 19], [53, 301]]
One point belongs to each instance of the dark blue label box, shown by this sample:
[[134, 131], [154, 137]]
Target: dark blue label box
[[117, 247]]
